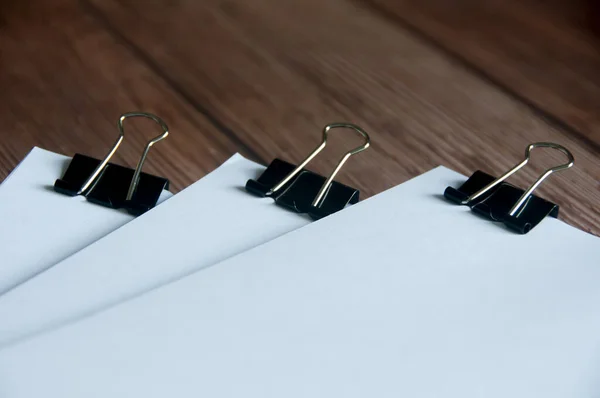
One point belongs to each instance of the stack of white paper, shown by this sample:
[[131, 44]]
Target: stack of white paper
[[401, 295], [209, 221], [404, 294]]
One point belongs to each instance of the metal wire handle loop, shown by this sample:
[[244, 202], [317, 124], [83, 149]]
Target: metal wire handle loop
[[319, 148], [518, 166], [136, 175]]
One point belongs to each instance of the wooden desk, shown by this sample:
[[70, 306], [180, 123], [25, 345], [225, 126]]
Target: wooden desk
[[466, 85]]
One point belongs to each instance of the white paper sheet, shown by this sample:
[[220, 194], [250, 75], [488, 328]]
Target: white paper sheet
[[40, 227], [402, 295], [207, 222]]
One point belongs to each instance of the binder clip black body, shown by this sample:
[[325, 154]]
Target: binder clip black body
[[112, 185], [497, 200], [303, 191]]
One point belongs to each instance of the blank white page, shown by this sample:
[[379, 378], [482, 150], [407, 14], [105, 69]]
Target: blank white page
[[41, 227], [207, 222], [402, 295]]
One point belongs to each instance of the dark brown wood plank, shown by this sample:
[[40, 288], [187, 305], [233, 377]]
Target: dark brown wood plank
[[276, 72], [546, 52], [65, 81]]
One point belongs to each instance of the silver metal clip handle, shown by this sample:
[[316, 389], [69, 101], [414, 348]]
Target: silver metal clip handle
[[319, 148], [136, 175], [517, 167]]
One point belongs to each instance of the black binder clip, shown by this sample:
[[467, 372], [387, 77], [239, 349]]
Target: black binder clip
[[303, 191], [497, 200], [112, 185]]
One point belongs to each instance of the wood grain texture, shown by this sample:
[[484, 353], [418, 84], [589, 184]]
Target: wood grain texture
[[276, 72], [545, 52], [65, 81], [263, 78]]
